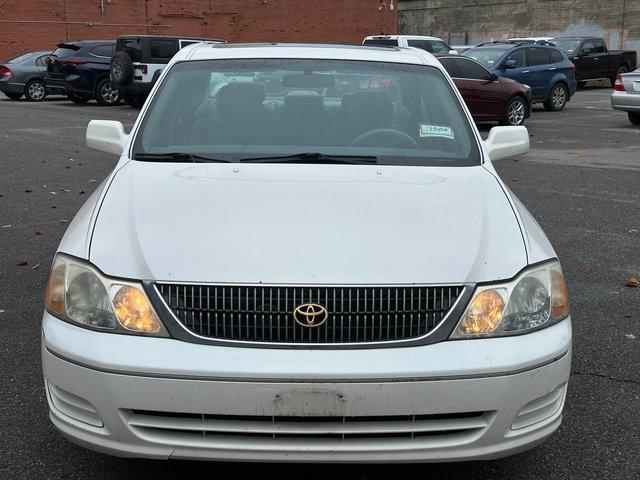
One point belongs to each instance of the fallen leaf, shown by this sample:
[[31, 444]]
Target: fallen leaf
[[586, 269], [2, 311], [38, 232], [35, 266], [8, 225], [93, 180], [64, 221], [28, 191], [632, 282], [24, 263], [53, 193], [630, 336], [81, 192], [53, 206]]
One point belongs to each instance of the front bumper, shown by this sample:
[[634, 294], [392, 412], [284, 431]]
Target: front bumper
[[627, 102], [157, 398]]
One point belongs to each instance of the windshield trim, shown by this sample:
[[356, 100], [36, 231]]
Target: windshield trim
[[466, 114]]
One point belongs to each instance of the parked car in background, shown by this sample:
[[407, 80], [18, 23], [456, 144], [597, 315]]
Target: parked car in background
[[139, 60], [82, 69], [434, 45], [424, 315], [490, 98], [626, 95], [25, 75], [548, 72], [593, 60]]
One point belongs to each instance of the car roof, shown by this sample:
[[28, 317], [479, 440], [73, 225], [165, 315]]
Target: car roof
[[81, 43], [372, 53], [396, 37]]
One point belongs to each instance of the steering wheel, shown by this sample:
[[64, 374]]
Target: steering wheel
[[384, 137]]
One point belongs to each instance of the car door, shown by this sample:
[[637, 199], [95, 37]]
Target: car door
[[585, 61], [485, 93], [601, 59], [539, 72], [41, 65], [514, 66], [464, 85]]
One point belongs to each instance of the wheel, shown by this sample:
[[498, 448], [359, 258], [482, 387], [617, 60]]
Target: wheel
[[106, 95], [35, 91], [78, 98], [634, 118], [13, 96], [134, 101], [620, 71], [558, 98], [121, 72], [515, 112]]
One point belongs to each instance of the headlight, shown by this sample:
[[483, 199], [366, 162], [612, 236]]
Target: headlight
[[538, 297], [78, 293]]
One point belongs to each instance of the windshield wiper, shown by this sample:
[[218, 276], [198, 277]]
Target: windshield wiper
[[177, 157], [310, 157]]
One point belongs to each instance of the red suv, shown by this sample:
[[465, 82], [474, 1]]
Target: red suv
[[490, 98]]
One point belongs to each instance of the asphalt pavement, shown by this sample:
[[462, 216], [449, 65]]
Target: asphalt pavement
[[581, 181]]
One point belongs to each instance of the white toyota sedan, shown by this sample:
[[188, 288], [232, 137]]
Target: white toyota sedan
[[305, 254]]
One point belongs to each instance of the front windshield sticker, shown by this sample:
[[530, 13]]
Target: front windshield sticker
[[435, 131]]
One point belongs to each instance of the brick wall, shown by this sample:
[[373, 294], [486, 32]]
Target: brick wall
[[27, 25]]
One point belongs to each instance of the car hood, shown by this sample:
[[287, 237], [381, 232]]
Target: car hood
[[306, 224]]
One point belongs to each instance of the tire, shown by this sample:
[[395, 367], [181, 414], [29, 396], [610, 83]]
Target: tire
[[106, 95], [121, 71], [35, 91], [78, 98], [620, 71], [13, 96], [515, 112], [634, 118], [558, 98], [135, 101]]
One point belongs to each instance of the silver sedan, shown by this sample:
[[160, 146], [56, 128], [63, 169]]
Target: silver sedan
[[626, 95], [24, 75]]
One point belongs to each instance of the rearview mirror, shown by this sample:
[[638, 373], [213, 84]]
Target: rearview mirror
[[106, 136], [507, 142]]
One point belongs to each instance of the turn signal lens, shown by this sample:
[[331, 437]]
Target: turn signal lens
[[483, 314], [54, 298], [559, 295], [133, 310]]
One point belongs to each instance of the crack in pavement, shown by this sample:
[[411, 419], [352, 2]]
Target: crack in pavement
[[599, 375]]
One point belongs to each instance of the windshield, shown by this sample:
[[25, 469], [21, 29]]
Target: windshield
[[488, 57], [242, 109], [567, 45]]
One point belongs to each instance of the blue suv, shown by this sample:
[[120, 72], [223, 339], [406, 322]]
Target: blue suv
[[548, 71], [82, 69]]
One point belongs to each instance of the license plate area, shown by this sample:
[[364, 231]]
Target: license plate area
[[636, 85], [310, 402]]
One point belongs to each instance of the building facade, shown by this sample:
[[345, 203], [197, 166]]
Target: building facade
[[27, 25], [473, 21]]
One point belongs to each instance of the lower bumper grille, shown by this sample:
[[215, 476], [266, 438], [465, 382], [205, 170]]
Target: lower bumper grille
[[167, 427], [348, 314]]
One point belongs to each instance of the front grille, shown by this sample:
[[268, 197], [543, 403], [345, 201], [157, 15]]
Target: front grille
[[174, 426], [265, 313]]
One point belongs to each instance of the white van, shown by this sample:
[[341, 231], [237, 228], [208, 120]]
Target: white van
[[434, 45]]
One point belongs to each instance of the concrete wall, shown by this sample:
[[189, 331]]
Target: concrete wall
[[474, 21], [27, 25]]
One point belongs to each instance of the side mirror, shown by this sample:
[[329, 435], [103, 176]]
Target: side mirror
[[507, 142], [511, 63], [106, 136], [453, 52], [492, 77]]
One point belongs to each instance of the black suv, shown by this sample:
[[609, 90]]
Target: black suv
[[139, 60], [82, 69]]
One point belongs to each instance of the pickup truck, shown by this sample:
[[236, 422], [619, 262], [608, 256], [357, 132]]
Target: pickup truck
[[593, 60]]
